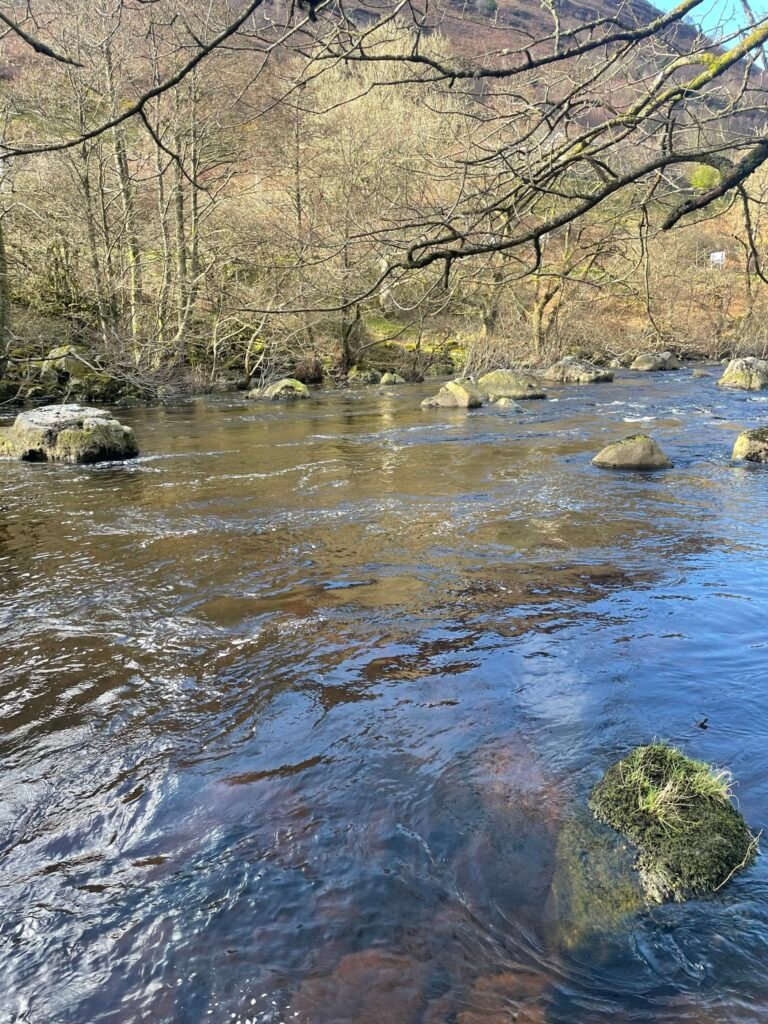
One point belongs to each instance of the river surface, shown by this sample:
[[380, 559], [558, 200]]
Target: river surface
[[300, 711]]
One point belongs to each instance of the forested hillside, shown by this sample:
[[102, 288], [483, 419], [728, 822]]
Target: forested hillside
[[188, 205]]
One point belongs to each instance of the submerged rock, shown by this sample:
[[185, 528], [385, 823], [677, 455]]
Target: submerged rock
[[595, 888], [654, 361], [639, 451], [752, 445], [510, 384], [571, 370], [460, 393], [509, 403], [358, 375], [388, 379], [67, 433], [748, 374], [678, 813], [285, 390], [700, 374]]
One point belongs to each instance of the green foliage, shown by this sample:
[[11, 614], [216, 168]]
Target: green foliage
[[704, 177]]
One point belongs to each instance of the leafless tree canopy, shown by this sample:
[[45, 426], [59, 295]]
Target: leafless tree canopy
[[188, 180]]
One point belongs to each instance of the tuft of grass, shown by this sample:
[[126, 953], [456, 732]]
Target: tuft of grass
[[680, 815]]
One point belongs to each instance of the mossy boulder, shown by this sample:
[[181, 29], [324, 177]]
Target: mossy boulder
[[679, 815], [752, 445], [62, 362], [510, 384], [571, 370], [654, 361], [390, 379], [361, 375], [285, 390], [745, 374], [638, 451], [67, 433]]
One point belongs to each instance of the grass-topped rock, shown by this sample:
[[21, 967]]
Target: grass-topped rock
[[679, 814]]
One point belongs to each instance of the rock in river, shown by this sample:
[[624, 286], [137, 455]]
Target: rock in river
[[389, 379], [679, 814], [287, 389], [752, 445], [360, 375], [652, 361], [748, 374], [639, 451], [510, 384], [461, 393], [571, 370], [67, 433]]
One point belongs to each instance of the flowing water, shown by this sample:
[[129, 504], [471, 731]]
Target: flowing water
[[301, 708]]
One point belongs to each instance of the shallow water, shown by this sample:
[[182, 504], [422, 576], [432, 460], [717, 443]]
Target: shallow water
[[301, 707]]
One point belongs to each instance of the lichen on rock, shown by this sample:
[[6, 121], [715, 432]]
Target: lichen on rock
[[67, 433], [679, 814], [752, 445], [745, 374], [638, 451]]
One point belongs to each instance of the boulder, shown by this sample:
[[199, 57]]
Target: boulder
[[456, 393], [571, 370], [285, 390], [679, 815], [67, 433], [510, 384], [389, 379], [466, 393], [60, 363], [639, 451], [358, 375], [748, 374], [654, 361], [752, 445], [616, 364], [509, 403]]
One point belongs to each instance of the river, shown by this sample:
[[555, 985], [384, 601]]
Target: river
[[299, 706]]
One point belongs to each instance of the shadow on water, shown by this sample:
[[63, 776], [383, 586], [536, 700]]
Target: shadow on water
[[301, 709]]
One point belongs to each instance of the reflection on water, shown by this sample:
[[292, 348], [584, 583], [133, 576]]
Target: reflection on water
[[301, 709]]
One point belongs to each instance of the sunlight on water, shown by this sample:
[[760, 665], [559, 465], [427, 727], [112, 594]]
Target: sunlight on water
[[302, 707]]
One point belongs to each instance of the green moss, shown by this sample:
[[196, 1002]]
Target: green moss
[[679, 814]]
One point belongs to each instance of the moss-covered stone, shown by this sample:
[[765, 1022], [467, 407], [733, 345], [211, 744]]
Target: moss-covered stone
[[363, 375], [678, 813], [67, 433], [390, 379], [752, 445], [638, 451], [745, 374], [510, 384]]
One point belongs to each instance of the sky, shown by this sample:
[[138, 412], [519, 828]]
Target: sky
[[713, 14]]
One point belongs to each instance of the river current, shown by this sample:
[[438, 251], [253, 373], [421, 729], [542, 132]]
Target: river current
[[301, 709]]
